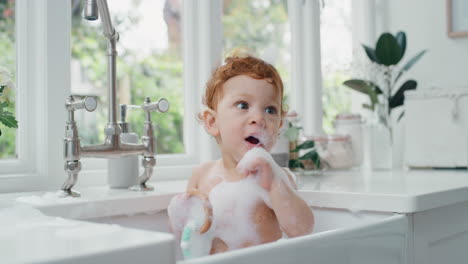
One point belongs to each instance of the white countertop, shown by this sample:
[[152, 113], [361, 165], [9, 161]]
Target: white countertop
[[47, 226], [389, 191]]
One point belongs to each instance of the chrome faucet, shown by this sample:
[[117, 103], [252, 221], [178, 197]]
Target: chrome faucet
[[112, 146]]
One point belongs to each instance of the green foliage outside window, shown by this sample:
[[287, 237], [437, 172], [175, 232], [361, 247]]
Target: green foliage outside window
[[335, 99], [157, 75], [251, 24], [260, 26], [8, 61]]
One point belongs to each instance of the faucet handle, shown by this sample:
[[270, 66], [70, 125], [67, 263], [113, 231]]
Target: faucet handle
[[89, 103], [162, 105]]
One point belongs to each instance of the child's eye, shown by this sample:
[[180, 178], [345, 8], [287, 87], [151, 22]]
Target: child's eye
[[242, 105], [271, 110]]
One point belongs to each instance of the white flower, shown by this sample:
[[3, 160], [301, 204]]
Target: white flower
[[5, 78]]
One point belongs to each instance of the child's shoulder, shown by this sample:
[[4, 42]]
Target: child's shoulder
[[201, 171], [205, 167]]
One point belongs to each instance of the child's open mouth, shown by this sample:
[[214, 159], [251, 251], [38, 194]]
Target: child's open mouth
[[252, 140]]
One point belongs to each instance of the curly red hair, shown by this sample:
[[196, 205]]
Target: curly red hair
[[241, 65]]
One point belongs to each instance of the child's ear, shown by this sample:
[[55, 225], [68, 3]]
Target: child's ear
[[209, 120]]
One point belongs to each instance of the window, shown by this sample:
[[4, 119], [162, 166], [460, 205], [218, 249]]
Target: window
[[55, 49], [336, 54], [8, 64], [261, 26], [149, 64]]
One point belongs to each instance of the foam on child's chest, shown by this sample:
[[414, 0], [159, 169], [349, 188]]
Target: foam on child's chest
[[233, 204]]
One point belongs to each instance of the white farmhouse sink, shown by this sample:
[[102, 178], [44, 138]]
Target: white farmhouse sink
[[340, 236]]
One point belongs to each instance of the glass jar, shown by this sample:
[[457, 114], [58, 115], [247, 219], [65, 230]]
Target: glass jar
[[335, 150], [351, 124]]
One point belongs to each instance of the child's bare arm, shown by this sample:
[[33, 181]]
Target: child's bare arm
[[193, 181], [294, 215]]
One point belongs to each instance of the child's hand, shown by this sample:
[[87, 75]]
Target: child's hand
[[259, 162], [260, 168], [181, 208]]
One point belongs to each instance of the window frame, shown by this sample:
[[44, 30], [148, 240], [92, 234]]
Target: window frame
[[44, 83], [23, 172], [306, 68]]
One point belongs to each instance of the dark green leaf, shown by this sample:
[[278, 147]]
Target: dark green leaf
[[401, 116], [410, 63], [2, 87], [373, 98], [357, 85], [305, 145], [371, 54], [0, 132], [317, 162], [295, 164], [8, 120], [387, 50], [377, 89], [368, 107], [401, 40], [311, 155], [361, 86], [399, 97], [365, 87], [3, 105]]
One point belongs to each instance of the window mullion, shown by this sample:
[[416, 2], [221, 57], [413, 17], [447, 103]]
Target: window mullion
[[210, 50], [297, 63], [312, 99]]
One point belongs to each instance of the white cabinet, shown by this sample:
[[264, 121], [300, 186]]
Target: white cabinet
[[440, 235]]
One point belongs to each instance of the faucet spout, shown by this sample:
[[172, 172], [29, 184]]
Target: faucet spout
[[108, 28], [91, 10], [112, 147]]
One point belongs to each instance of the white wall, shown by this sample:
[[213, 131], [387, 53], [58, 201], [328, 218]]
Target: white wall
[[425, 23]]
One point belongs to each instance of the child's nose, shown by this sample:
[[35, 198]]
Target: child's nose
[[257, 117]]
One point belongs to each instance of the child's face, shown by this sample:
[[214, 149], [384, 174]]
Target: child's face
[[247, 115]]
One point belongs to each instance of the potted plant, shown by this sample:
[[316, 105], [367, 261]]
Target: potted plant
[[386, 92], [310, 160], [6, 118]]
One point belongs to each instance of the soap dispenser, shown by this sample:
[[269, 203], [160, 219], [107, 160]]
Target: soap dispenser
[[123, 172]]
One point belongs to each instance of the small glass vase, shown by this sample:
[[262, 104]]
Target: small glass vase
[[381, 136]]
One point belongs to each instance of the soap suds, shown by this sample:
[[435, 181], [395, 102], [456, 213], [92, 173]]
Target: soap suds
[[25, 217], [49, 198], [249, 158], [187, 215], [233, 204]]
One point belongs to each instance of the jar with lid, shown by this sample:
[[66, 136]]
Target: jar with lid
[[351, 124], [335, 150]]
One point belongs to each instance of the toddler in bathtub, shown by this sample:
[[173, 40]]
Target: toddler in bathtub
[[244, 198]]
